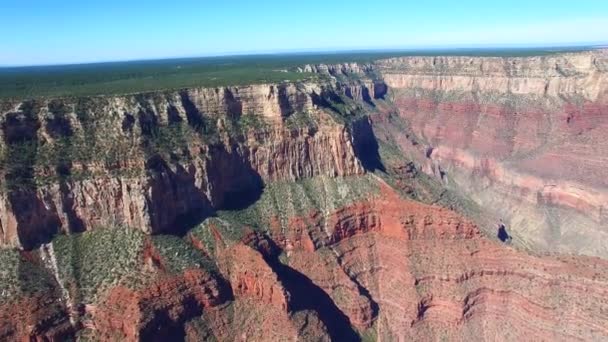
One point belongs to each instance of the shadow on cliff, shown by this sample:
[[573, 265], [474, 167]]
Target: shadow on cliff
[[503, 235], [177, 203], [236, 184], [60, 128], [36, 222], [328, 100], [365, 145], [47, 315], [162, 328], [179, 199], [306, 295], [165, 326]]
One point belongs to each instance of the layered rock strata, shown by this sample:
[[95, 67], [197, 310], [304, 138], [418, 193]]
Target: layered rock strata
[[521, 136], [155, 160]]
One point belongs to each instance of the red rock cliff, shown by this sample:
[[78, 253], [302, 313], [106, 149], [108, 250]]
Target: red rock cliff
[[522, 136]]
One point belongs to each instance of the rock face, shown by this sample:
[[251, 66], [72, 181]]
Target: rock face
[[365, 87], [521, 136], [452, 284], [157, 312], [364, 207], [378, 266], [581, 74], [150, 160]]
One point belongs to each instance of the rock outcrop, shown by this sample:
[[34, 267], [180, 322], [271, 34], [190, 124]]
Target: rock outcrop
[[378, 266], [521, 136], [151, 160]]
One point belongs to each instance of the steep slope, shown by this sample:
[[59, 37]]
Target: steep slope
[[355, 259], [152, 160], [521, 136]]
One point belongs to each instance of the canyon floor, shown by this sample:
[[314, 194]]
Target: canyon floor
[[441, 198]]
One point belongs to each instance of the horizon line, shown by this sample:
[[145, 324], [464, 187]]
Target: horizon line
[[454, 47]]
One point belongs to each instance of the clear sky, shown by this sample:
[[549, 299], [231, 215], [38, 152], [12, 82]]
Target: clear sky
[[68, 31]]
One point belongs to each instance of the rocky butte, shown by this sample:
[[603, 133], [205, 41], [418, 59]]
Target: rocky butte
[[362, 206]]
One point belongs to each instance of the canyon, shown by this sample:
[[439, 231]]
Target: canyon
[[523, 138], [364, 205]]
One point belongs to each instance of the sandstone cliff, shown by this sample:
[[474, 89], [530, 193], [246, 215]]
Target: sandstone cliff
[[375, 266], [151, 160], [521, 136]]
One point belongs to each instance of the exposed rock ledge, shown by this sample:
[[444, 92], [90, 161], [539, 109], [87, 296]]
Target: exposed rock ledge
[[151, 160]]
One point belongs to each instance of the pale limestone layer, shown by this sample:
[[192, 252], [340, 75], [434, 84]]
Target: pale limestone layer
[[583, 74], [523, 137]]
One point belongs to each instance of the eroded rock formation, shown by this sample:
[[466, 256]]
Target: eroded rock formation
[[152, 160], [521, 136]]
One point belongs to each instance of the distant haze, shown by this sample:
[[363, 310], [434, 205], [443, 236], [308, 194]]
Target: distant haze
[[68, 31]]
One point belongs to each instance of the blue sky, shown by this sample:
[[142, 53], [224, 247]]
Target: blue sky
[[69, 31]]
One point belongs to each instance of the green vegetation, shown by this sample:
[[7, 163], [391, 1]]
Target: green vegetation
[[126, 78], [94, 261], [90, 263], [230, 233], [300, 120], [285, 200], [31, 164], [20, 277], [178, 255], [236, 128], [371, 334], [144, 76]]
